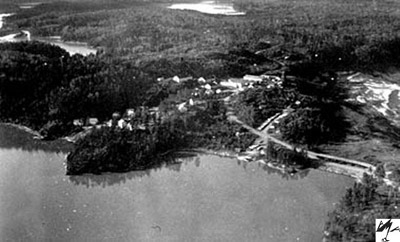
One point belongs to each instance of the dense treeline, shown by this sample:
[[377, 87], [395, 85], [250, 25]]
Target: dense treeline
[[292, 161], [143, 41], [42, 84], [319, 117], [331, 34], [255, 105], [110, 149], [208, 128], [309, 38], [354, 217], [317, 114], [45, 88], [117, 148], [334, 34]]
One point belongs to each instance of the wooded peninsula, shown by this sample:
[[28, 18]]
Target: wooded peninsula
[[165, 80]]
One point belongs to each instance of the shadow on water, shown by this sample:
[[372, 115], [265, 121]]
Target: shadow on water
[[12, 137], [107, 179], [174, 163], [277, 171]]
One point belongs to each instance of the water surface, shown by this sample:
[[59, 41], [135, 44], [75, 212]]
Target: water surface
[[205, 198], [71, 47], [209, 7]]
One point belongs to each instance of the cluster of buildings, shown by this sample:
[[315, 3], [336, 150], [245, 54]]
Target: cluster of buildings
[[249, 81], [142, 116]]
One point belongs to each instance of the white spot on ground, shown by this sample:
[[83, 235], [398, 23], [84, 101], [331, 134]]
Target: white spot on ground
[[381, 94]]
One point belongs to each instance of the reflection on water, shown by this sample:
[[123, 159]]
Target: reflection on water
[[201, 198], [209, 7], [110, 179], [104, 180]]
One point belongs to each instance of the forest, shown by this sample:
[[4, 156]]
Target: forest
[[139, 42], [354, 217], [305, 41], [44, 87], [330, 35]]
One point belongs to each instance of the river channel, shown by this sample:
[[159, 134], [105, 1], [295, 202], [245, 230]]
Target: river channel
[[202, 198]]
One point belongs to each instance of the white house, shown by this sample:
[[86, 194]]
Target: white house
[[252, 78], [201, 80], [176, 79], [181, 107], [92, 121], [231, 84]]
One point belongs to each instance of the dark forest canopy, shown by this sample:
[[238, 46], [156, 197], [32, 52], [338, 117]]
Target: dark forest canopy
[[44, 87], [141, 41], [331, 34], [42, 83]]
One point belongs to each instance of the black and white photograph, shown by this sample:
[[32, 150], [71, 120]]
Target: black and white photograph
[[200, 120]]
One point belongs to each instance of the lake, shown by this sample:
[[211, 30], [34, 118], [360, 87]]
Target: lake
[[71, 47], [209, 7], [203, 198]]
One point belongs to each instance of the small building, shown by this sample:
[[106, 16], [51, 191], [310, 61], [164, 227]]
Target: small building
[[207, 87], [182, 107], [92, 121], [231, 84], [252, 78], [191, 102], [78, 122], [130, 113], [201, 80], [122, 124], [176, 79]]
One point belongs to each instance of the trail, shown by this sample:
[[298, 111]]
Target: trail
[[354, 167]]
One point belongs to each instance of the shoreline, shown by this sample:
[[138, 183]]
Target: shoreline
[[35, 134], [221, 153], [72, 47]]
